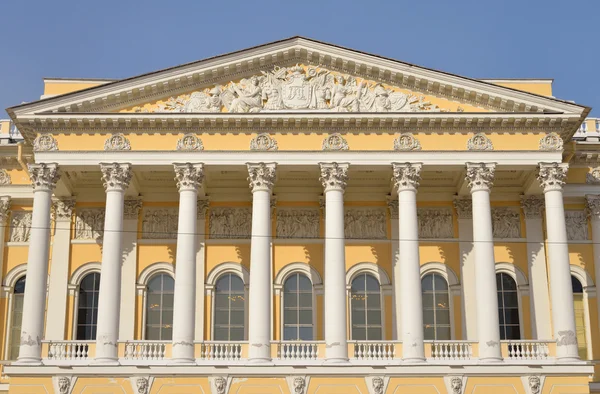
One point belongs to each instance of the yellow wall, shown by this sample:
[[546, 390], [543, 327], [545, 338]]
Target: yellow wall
[[53, 87], [541, 88]]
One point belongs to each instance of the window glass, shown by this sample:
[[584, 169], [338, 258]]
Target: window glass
[[508, 307], [159, 308], [230, 303], [365, 301], [87, 309], [16, 318], [436, 307], [297, 308], [579, 317]]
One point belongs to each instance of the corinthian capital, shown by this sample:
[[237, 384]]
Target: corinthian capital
[[552, 175], [63, 208], [188, 176], [593, 206], [407, 176], [44, 175], [131, 208], [4, 208], [464, 208], [334, 176], [261, 176], [532, 206], [116, 176], [480, 176]]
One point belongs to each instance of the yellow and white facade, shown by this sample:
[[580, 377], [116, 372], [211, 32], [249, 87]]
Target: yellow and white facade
[[299, 218]]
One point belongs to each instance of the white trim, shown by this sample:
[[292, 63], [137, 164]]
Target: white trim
[[454, 287], [371, 268], [153, 269], [586, 282], [10, 280], [315, 279], [522, 288], [78, 275], [293, 268], [582, 276], [541, 81], [12, 276]]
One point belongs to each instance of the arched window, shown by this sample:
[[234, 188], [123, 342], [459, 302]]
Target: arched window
[[16, 318], [579, 306], [87, 309], [297, 308], [436, 307], [159, 308], [365, 294], [508, 306], [229, 309]]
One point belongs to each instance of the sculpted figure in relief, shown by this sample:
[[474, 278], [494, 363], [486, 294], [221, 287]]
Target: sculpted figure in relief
[[435, 223], [227, 223], [160, 223], [456, 385], [89, 223], [220, 384], [207, 101], [365, 224], [593, 177], [535, 384], [63, 384], [506, 223], [20, 227], [245, 96], [577, 225], [378, 385], [298, 223], [299, 384]]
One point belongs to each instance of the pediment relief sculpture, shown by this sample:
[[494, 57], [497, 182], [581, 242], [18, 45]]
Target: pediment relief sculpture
[[365, 223], [406, 141], [577, 225], [20, 226], [44, 142], [227, 223], [592, 177], [479, 142], [263, 141], [117, 142], [190, 142], [160, 223], [506, 223], [335, 142], [89, 223], [296, 88]]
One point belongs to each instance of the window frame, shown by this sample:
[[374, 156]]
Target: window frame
[[214, 309], [454, 289], [282, 306], [10, 316], [10, 281], [449, 310], [76, 303], [519, 305], [381, 305], [589, 291], [153, 275]]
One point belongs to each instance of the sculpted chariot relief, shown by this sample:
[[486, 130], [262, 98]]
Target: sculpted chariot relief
[[296, 88]]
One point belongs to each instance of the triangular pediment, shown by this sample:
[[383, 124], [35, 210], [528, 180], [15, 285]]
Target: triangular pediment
[[297, 74]]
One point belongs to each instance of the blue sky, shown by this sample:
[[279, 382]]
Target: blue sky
[[475, 38]]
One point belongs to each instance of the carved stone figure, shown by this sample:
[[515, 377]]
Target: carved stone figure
[[464, 208], [297, 223], [5, 203], [456, 385], [335, 142], [479, 142], [142, 385], [131, 208], [225, 223], [435, 223], [20, 224], [535, 384], [160, 223], [89, 223], [592, 177], [44, 142], [299, 385], [566, 338], [220, 384], [63, 208], [551, 142], [506, 223], [64, 384], [378, 385], [173, 104], [117, 142], [189, 142], [207, 101], [203, 205], [577, 225], [406, 141], [247, 96], [533, 206], [363, 223], [263, 141], [4, 178]]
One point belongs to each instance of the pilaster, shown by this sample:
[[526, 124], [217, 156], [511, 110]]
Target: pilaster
[[464, 212], [131, 211]]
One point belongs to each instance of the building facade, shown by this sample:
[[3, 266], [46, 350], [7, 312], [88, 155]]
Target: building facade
[[299, 218]]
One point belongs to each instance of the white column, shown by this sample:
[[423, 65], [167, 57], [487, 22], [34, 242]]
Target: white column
[[261, 177], [129, 269], [396, 274], [593, 203], [334, 177], [4, 214], [116, 178], [44, 178], [406, 180], [189, 177], [480, 177], [200, 259], [464, 211], [552, 178], [533, 207], [59, 271]]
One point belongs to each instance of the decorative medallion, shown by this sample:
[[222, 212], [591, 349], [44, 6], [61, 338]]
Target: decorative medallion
[[592, 177], [190, 142], [406, 141], [479, 142], [551, 142], [5, 178], [335, 142], [263, 141], [44, 142], [117, 142]]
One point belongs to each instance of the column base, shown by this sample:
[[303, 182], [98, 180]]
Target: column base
[[336, 361], [182, 361], [105, 361], [28, 361], [258, 360], [414, 360], [490, 360], [567, 360]]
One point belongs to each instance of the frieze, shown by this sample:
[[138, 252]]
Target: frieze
[[506, 223], [435, 223], [365, 223], [20, 226], [226, 223], [89, 223], [298, 223], [160, 223], [577, 225]]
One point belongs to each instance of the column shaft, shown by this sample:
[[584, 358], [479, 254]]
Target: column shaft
[[396, 272], [129, 270], [593, 203], [464, 210]]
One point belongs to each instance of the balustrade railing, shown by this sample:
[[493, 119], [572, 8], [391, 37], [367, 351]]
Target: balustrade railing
[[292, 350], [528, 350], [145, 350], [451, 350], [370, 350], [69, 350], [221, 350]]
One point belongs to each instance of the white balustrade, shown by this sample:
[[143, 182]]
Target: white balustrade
[[451, 350], [297, 350], [374, 350], [145, 350], [221, 350], [69, 350], [528, 350]]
